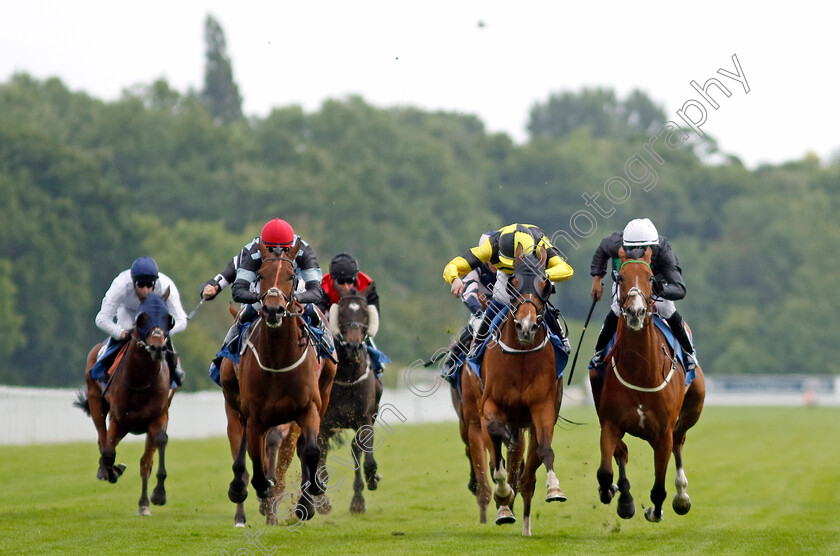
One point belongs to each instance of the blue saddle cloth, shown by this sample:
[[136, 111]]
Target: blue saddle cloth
[[676, 349], [561, 352], [378, 359]]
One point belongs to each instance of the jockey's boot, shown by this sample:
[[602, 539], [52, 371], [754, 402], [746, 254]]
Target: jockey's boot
[[455, 356], [677, 325], [604, 337], [176, 373], [553, 322], [248, 314], [480, 335]]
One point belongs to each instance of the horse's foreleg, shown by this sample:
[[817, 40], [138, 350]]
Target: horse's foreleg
[[544, 418], [476, 451], [109, 453], [357, 504], [162, 439], [661, 455], [689, 415], [308, 454], [503, 494], [610, 436], [238, 489], [322, 476], [273, 438], [626, 507], [528, 481], [255, 434]]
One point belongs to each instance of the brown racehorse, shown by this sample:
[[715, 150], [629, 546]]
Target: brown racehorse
[[355, 396], [136, 399], [644, 394], [521, 388], [279, 449], [278, 381]]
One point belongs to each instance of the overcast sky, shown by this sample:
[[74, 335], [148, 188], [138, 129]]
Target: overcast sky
[[492, 59]]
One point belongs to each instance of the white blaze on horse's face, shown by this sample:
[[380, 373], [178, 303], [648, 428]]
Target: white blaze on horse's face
[[526, 329], [634, 309]]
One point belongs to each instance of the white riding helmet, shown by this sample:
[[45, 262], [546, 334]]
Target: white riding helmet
[[640, 231]]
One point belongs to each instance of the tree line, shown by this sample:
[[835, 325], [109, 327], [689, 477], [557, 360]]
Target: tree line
[[88, 185]]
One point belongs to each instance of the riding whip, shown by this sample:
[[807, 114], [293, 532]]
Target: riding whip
[[192, 313], [582, 332]]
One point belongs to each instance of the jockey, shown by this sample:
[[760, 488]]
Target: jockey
[[119, 310], [499, 249], [668, 285], [343, 276], [478, 289], [241, 271]]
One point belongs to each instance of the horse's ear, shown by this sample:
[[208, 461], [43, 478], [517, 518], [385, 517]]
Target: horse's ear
[[165, 295], [621, 254], [648, 254], [541, 254], [292, 251], [264, 252], [233, 310], [141, 320], [364, 292]]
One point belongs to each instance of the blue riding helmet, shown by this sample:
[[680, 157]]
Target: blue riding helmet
[[144, 267]]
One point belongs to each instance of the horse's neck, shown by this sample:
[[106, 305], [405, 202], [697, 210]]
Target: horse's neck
[[350, 369], [633, 345], [283, 340]]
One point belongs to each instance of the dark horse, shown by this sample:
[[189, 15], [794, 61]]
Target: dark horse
[[278, 381], [354, 401], [521, 388], [644, 394], [136, 399]]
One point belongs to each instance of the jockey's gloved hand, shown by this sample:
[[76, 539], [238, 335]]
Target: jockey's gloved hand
[[212, 282]]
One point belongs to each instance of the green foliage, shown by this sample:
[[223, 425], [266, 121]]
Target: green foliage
[[220, 94], [87, 186]]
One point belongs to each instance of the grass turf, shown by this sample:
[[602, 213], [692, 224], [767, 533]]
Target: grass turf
[[761, 480]]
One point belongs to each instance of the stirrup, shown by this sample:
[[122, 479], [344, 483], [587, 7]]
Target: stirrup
[[597, 364], [690, 362]]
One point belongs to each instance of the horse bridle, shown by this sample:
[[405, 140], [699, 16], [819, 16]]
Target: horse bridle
[[648, 301], [274, 291], [539, 308]]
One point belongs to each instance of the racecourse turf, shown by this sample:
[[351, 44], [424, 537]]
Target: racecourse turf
[[761, 480]]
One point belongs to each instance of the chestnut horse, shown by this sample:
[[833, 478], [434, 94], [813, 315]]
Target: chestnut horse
[[521, 388], [354, 401], [279, 449], [644, 394], [278, 381], [136, 399]]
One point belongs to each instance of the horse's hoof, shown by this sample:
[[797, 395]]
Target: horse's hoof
[[682, 506], [265, 505], [555, 495], [237, 496], [626, 510], [144, 510], [653, 516], [323, 505], [237, 524], [119, 468], [158, 496], [505, 516], [357, 505], [373, 482], [303, 513], [102, 474], [607, 495]]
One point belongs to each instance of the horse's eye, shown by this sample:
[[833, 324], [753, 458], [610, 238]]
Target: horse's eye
[[620, 279], [650, 278]]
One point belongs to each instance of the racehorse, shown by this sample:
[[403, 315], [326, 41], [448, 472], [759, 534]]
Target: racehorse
[[355, 396], [136, 399], [278, 380], [521, 388], [639, 397]]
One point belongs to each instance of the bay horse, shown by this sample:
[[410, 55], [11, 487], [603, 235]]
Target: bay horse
[[278, 380], [644, 395], [136, 400], [356, 392], [521, 388]]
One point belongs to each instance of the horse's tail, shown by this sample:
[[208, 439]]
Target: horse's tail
[[82, 401]]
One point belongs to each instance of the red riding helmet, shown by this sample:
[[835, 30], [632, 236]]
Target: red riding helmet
[[277, 233]]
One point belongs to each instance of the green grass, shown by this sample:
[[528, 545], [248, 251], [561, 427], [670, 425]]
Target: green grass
[[761, 480]]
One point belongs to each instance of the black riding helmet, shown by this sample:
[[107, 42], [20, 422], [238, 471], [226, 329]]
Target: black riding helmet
[[344, 267]]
